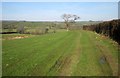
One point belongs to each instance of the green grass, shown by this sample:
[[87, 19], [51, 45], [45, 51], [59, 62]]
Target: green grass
[[75, 53]]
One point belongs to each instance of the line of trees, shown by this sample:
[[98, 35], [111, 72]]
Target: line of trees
[[108, 28], [24, 27], [10, 26]]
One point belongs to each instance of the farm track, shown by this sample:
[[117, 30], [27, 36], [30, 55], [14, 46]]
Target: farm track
[[88, 61], [73, 53], [68, 68], [65, 64]]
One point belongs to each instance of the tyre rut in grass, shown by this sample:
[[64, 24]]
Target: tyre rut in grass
[[65, 64]]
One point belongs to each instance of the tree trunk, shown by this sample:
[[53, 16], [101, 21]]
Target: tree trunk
[[67, 29], [67, 26]]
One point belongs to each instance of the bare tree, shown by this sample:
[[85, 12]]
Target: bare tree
[[68, 19]]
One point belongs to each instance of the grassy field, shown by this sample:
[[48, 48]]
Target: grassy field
[[72, 53]]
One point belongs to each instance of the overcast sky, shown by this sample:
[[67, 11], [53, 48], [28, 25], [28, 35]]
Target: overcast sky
[[52, 11]]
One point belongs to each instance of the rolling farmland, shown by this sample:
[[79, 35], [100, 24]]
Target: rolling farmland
[[59, 39], [72, 53]]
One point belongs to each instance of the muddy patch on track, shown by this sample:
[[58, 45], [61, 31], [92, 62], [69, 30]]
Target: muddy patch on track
[[112, 62]]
